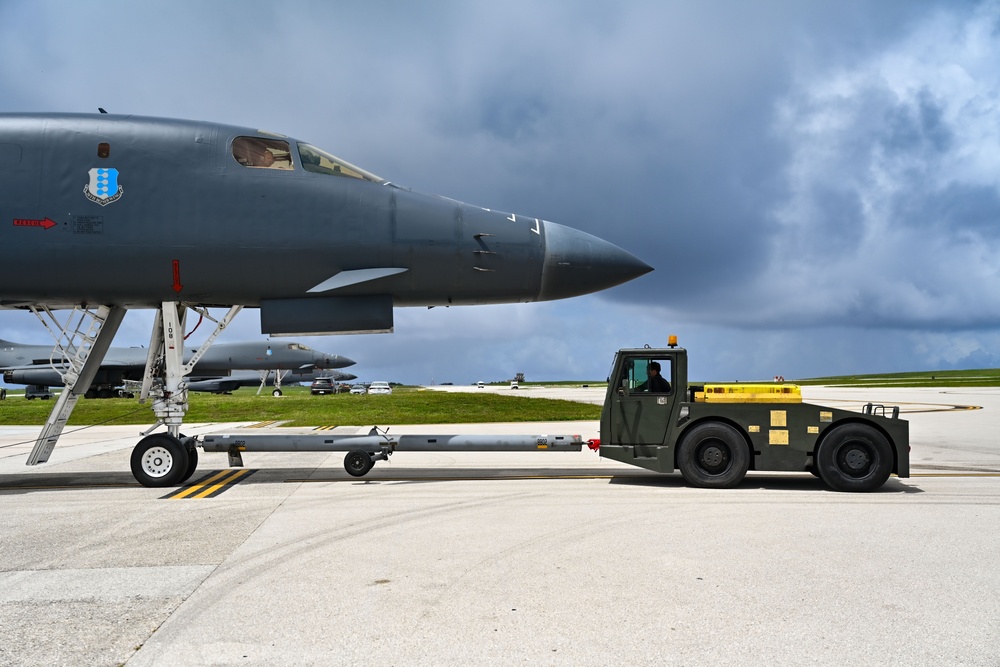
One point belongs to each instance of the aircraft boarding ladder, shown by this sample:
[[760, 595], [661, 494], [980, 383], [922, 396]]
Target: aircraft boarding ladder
[[82, 347]]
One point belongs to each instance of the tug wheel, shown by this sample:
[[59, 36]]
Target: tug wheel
[[854, 457], [713, 455]]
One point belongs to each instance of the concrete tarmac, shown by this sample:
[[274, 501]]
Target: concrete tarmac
[[538, 558]]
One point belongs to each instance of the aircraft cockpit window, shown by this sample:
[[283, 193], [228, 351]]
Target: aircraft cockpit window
[[298, 346], [262, 153], [320, 162]]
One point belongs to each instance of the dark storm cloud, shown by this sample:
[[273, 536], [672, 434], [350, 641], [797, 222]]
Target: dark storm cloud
[[888, 214], [918, 128], [965, 210]]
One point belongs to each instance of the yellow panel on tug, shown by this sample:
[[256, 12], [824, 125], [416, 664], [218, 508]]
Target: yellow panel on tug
[[749, 393]]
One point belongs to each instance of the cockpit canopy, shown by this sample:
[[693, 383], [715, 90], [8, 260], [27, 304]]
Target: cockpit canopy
[[265, 153], [320, 162]]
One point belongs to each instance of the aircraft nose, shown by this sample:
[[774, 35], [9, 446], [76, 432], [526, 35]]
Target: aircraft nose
[[579, 263], [337, 361]]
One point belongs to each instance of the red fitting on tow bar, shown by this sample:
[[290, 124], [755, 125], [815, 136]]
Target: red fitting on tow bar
[[594, 444]]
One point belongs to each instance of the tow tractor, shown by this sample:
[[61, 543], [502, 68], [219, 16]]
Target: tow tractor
[[712, 433], [715, 433]]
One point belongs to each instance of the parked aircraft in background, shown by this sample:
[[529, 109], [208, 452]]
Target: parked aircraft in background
[[130, 212], [237, 379], [31, 364]]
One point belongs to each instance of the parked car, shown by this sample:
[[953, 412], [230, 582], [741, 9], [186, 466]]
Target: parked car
[[480, 384], [379, 388], [359, 389], [322, 386], [513, 385]]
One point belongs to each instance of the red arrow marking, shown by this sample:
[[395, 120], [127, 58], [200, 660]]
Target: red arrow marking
[[177, 276], [46, 223]]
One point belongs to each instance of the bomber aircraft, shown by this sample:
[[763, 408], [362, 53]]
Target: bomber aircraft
[[237, 379], [33, 365], [100, 213]]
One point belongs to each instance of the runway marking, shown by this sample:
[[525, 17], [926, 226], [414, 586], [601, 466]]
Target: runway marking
[[325, 428], [210, 486], [930, 407], [263, 424]]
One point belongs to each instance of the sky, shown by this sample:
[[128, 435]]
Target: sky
[[816, 183]]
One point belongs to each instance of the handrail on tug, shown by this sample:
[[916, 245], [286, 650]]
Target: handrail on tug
[[880, 410]]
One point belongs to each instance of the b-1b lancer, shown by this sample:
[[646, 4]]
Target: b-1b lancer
[[101, 213], [236, 379], [33, 365]]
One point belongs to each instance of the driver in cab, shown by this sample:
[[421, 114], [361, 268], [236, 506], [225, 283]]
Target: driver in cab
[[655, 383]]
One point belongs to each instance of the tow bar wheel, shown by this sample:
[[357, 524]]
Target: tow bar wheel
[[160, 460], [357, 463]]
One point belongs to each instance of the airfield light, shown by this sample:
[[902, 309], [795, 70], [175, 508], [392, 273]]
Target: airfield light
[[672, 340]]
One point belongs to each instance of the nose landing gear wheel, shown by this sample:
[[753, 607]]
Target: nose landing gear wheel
[[160, 460], [192, 463]]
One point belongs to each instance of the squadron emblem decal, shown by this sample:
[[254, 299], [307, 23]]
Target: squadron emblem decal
[[103, 187]]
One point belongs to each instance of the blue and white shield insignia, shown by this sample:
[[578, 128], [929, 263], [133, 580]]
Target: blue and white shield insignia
[[103, 187]]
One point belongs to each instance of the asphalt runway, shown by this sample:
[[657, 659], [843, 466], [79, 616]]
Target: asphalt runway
[[541, 558]]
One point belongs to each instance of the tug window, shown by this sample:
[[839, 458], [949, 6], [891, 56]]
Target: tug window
[[648, 376], [320, 162], [262, 153]]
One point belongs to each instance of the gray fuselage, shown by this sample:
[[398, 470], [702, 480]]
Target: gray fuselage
[[321, 245]]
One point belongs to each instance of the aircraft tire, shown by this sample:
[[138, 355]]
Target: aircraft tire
[[854, 457], [357, 463], [276, 393], [160, 460], [713, 456], [192, 463]]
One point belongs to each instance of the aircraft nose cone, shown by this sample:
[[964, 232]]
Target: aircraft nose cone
[[579, 263], [337, 361]]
